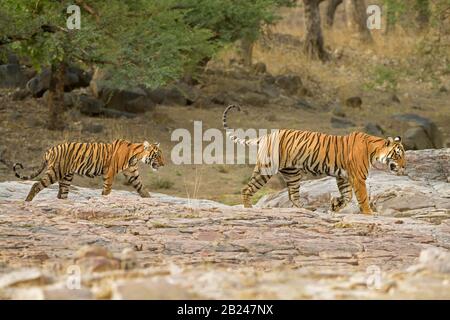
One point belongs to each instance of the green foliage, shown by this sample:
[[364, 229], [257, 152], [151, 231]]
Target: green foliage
[[162, 183], [394, 9], [440, 15], [383, 77], [231, 20], [434, 49], [145, 42], [410, 14], [139, 42]]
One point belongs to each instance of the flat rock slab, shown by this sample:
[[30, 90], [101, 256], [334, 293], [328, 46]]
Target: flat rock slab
[[209, 250]]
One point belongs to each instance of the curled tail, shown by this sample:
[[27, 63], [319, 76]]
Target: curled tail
[[31, 176], [233, 137]]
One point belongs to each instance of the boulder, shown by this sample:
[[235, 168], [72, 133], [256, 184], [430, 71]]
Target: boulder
[[180, 94], [416, 139], [289, 83], [93, 258], [111, 113], [128, 259], [339, 122], [253, 98], [28, 276], [174, 96], [53, 292], [303, 104], [395, 98], [354, 102], [374, 129], [157, 95], [20, 94], [189, 92], [338, 111], [267, 85], [259, 68], [89, 106], [92, 251], [149, 289], [7, 56], [93, 107], [419, 132], [98, 264], [92, 128], [133, 100], [74, 78], [12, 75], [435, 259]]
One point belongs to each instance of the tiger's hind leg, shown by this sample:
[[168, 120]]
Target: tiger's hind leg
[[49, 178], [64, 185], [345, 189], [292, 176], [257, 181], [107, 183], [133, 178]]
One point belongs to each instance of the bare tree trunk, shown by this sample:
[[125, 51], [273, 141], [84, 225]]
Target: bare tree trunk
[[55, 97], [314, 45], [357, 19], [390, 19], [331, 10], [423, 13], [246, 51]]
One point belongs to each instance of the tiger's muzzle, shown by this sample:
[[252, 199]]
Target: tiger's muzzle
[[154, 163], [394, 167]]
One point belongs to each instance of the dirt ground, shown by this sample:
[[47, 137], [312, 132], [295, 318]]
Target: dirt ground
[[23, 124], [391, 66]]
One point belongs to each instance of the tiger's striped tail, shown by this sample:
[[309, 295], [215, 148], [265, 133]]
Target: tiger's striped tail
[[31, 176], [233, 137]]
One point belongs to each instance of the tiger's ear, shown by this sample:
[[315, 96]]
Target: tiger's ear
[[398, 139], [146, 145], [156, 144], [389, 141]]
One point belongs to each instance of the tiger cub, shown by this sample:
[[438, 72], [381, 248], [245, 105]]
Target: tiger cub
[[91, 160]]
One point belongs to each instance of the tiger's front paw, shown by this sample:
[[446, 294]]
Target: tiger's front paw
[[247, 205], [145, 194], [337, 204], [297, 204], [106, 192]]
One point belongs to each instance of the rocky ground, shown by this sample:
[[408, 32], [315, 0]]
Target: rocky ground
[[125, 247]]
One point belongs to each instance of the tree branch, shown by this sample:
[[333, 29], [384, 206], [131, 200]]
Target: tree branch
[[43, 29], [89, 9]]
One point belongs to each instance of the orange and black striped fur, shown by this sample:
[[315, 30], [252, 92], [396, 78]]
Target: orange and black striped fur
[[294, 152], [94, 159]]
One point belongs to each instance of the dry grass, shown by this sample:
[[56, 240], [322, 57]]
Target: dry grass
[[355, 69]]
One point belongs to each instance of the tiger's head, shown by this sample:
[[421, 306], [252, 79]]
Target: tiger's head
[[153, 155], [392, 153]]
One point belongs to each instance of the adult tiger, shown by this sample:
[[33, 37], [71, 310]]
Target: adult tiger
[[94, 159], [294, 152]]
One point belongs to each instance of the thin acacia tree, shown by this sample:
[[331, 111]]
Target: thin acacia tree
[[314, 43], [140, 42]]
